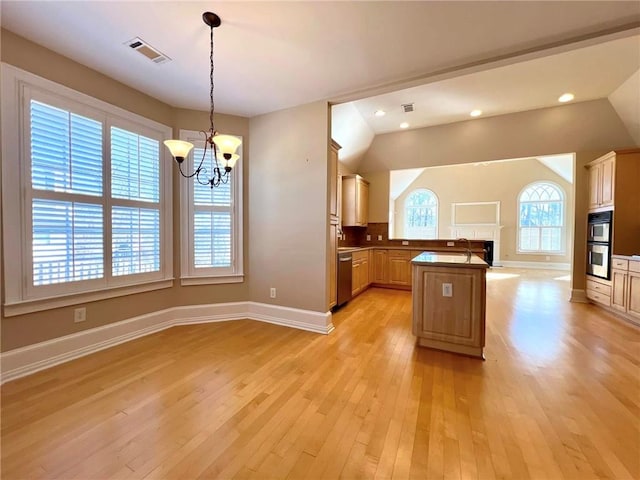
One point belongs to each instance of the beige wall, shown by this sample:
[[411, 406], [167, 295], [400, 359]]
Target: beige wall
[[579, 127], [492, 182], [288, 206], [36, 327], [588, 129]]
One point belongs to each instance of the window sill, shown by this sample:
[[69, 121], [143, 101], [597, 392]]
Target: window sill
[[541, 252], [38, 305], [236, 278]]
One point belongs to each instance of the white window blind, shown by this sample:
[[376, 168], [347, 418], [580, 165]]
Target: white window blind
[[212, 229], [66, 151], [211, 218]]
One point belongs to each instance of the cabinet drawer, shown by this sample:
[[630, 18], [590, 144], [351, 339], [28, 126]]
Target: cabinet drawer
[[599, 288], [599, 297], [360, 256], [619, 263], [634, 266], [403, 254]]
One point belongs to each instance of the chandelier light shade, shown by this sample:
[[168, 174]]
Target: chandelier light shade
[[222, 147]]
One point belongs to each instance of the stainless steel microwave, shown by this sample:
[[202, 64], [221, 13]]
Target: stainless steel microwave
[[599, 227]]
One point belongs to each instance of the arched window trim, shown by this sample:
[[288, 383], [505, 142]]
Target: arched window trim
[[562, 226], [435, 204]]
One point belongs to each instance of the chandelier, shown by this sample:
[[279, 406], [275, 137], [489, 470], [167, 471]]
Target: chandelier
[[224, 146]]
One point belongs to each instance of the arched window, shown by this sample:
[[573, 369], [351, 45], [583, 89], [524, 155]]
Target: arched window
[[541, 218], [421, 214]]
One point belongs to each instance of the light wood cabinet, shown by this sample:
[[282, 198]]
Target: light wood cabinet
[[332, 232], [359, 272], [619, 280], [332, 255], [622, 294], [599, 290], [454, 322], [602, 182], [614, 184], [355, 201], [333, 179], [633, 291], [399, 267], [380, 267]]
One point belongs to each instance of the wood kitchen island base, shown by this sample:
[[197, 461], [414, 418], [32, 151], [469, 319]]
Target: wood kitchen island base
[[449, 299]]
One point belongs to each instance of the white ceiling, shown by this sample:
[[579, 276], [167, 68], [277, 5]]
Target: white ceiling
[[274, 55], [589, 73]]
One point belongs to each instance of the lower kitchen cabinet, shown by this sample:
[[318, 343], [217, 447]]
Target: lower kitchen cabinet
[[360, 272], [399, 267], [380, 266], [621, 295]]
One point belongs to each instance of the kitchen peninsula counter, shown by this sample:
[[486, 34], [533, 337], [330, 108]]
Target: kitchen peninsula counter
[[449, 302]]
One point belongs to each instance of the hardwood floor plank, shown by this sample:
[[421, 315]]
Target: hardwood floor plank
[[557, 398]]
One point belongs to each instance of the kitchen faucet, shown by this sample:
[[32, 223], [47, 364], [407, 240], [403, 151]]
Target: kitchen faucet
[[468, 247]]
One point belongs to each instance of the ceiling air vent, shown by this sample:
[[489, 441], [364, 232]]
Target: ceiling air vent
[[407, 107], [147, 50]]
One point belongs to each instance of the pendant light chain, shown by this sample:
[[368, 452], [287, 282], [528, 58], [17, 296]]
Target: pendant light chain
[[211, 83], [225, 145]]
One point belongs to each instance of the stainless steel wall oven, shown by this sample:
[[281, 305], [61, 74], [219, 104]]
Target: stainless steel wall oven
[[599, 244]]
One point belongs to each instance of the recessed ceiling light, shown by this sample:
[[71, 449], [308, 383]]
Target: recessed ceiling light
[[476, 113], [380, 113], [404, 125], [566, 97]]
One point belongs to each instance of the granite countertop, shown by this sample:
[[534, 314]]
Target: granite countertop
[[449, 260], [405, 247]]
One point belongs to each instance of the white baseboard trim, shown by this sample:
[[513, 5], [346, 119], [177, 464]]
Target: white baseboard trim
[[537, 265], [33, 358], [578, 296]]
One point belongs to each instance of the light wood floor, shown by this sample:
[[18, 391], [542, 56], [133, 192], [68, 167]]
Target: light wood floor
[[558, 397]]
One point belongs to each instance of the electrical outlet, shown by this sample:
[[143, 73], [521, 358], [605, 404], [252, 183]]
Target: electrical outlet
[[447, 290], [380, 237], [368, 238], [272, 292], [405, 242], [451, 244], [79, 315]]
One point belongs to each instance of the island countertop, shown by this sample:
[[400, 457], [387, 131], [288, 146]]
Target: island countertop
[[449, 260]]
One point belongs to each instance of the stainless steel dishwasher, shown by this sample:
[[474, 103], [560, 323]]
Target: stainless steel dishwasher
[[344, 277]]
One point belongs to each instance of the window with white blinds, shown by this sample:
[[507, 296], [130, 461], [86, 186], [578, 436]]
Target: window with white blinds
[[212, 230], [92, 195]]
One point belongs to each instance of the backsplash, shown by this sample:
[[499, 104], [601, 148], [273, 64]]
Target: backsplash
[[357, 237]]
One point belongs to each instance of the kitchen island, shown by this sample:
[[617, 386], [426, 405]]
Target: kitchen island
[[449, 302]]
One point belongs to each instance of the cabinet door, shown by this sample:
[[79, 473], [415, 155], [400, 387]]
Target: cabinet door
[[380, 267], [355, 278], [400, 268], [607, 182], [333, 181], [594, 186], [332, 255], [363, 203], [633, 305], [364, 274], [619, 290]]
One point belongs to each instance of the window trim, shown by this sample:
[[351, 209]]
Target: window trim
[[19, 86], [563, 227], [404, 208], [189, 275]]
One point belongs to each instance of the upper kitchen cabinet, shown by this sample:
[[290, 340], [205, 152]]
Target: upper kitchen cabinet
[[355, 201], [333, 181], [601, 182], [614, 184]]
